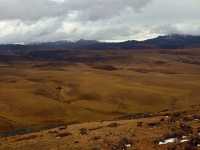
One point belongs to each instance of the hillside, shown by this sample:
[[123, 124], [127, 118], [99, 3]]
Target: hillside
[[166, 130], [46, 89], [42, 93]]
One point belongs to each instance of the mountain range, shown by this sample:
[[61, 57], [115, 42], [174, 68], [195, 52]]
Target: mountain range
[[173, 41]]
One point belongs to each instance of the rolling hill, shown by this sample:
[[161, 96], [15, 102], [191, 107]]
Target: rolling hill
[[49, 85]]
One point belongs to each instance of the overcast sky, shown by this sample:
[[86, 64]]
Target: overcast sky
[[106, 20]]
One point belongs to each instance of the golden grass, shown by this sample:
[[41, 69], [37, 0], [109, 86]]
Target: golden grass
[[145, 82]]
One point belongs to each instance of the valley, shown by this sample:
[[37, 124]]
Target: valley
[[39, 94]]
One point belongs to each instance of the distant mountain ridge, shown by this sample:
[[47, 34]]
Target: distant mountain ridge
[[174, 41]]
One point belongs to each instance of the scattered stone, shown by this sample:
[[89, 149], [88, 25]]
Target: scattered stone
[[174, 117], [186, 128], [164, 110], [53, 132], [62, 128], [61, 135], [123, 144], [198, 130], [24, 138], [139, 124], [76, 142], [184, 140], [195, 140], [136, 116], [96, 138], [153, 124], [162, 119], [83, 131], [177, 133], [113, 125], [167, 141], [92, 129], [59, 88], [128, 145], [187, 118], [196, 117], [105, 67], [176, 114]]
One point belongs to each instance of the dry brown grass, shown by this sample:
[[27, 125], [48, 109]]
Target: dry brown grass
[[61, 94], [118, 134]]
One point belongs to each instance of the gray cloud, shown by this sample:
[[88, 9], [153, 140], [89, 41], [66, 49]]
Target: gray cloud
[[28, 10], [51, 20], [90, 9]]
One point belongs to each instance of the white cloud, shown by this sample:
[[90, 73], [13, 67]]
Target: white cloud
[[51, 20]]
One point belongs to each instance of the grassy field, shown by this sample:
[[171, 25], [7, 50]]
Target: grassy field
[[132, 134], [37, 94]]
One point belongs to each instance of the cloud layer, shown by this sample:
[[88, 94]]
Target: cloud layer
[[51, 20]]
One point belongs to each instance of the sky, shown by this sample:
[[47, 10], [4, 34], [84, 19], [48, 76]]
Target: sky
[[26, 21]]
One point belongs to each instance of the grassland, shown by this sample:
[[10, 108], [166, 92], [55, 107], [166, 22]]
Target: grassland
[[132, 134], [38, 94]]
